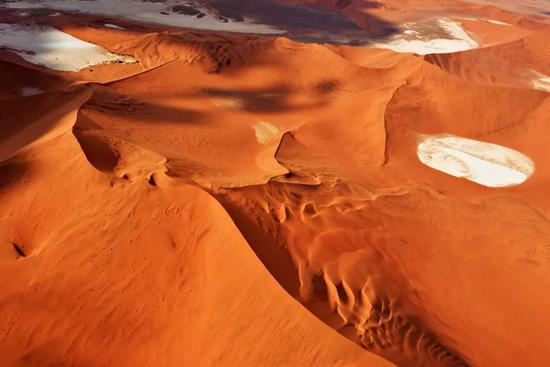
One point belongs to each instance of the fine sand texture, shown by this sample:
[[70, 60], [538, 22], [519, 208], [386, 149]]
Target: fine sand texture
[[274, 183]]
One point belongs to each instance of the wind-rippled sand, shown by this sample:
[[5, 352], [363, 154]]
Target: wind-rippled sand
[[275, 183]]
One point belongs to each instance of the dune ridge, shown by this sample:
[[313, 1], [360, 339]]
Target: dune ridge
[[249, 200]]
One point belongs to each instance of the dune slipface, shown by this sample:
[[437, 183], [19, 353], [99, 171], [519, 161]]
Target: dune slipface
[[274, 183]]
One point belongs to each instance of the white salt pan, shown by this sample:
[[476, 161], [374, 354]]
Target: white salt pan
[[113, 26], [487, 164], [54, 49], [413, 41], [148, 12]]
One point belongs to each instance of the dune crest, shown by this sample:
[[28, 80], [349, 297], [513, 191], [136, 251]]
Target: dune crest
[[54, 115], [274, 183]]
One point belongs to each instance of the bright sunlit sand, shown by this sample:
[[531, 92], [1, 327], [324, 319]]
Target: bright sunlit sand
[[274, 183], [265, 131], [540, 81]]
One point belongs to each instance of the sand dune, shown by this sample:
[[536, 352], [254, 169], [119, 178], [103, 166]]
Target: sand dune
[[55, 116], [190, 320], [182, 185], [123, 273]]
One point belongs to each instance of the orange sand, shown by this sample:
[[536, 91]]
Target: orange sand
[[244, 200]]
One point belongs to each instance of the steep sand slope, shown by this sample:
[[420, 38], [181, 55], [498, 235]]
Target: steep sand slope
[[317, 154], [53, 115], [19, 82], [147, 276], [522, 63], [428, 102], [194, 115]]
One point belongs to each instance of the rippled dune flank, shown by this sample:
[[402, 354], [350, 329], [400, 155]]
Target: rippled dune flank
[[274, 183]]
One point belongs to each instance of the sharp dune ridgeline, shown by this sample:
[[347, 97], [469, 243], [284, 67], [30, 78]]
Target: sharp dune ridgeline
[[274, 183]]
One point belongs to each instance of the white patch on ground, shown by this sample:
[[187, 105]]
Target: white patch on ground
[[487, 164], [113, 26], [456, 31], [415, 40], [229, 103], [540, 81], [497, 22], [54, 49], [56, 14], [148, 12], [484, 20], [265, 131], [492, 21], [30, 91]]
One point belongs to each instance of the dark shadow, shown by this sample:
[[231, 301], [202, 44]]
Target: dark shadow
[[268, 100], [277, 261], [302, 23], [327, 86], [273, 99], [310, 24], [364, 4], [284, 16], [13, 76], [276, 91], [107, 101], [97, 151], [11, 172], [19, 249]]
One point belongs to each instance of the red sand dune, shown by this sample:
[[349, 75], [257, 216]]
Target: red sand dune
[[286, 199]]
